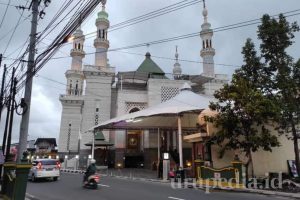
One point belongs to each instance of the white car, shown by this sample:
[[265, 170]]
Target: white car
[[44, 168]]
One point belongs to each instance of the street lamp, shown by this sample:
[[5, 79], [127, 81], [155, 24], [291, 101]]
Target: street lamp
[[76, 164], [66, 160]]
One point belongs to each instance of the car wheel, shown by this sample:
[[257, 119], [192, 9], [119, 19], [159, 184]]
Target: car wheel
[[95, 186], [55, 179]]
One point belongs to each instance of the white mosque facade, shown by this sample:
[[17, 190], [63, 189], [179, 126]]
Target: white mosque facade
[[98, 93]]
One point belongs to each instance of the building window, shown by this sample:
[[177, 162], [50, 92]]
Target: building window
[[69, 137], [134, 105], [96, 119], [168, 93], [134, 110]]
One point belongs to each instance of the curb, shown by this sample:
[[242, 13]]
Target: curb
[[73, 171], [263, 192]]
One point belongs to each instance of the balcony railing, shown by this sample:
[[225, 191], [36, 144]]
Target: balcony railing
[[99, 68]]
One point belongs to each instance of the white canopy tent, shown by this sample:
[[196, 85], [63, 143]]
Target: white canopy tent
[[181, 111]]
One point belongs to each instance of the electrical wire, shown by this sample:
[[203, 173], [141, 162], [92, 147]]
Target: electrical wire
[[5, 12], [12, 35]]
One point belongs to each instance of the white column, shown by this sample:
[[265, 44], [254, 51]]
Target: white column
[[158, 144], [180, 142], [174, 140], [168, 140], [93, 144], [146, 139]]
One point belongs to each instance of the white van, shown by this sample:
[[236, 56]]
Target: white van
[[44, 168]]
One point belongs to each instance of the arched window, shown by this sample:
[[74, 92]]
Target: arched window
[[99, 33], [79, 46], [134, 110], [75, 46], [210, 44], [203, 45], [206, 43], [103, 34]]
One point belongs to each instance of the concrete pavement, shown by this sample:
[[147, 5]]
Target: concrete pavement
[[111, 188]]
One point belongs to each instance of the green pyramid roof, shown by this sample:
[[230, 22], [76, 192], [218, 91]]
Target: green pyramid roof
[[99, 135], [149, 66]]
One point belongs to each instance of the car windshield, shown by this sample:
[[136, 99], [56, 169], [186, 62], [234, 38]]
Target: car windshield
[[48, 162]]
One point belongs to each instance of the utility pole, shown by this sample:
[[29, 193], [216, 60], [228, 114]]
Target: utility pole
[[12, 110], [28, 84], [8, 117], [9, 100], [2, 88]]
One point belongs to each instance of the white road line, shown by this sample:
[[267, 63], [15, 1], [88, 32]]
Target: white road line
[[103, 185], [175, 198]]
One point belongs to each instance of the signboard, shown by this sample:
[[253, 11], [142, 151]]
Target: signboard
[[217, 175], [293, 168]]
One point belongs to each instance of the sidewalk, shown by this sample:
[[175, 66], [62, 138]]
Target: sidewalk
[[266, 192], [125, 173]]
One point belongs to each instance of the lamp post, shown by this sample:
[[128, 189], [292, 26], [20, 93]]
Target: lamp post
[[93, 145], [76, 162], [66, 160], [89, 160]]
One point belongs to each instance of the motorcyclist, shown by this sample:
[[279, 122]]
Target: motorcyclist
[[90, 170]]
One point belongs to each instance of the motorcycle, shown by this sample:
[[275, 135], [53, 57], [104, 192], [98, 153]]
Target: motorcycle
[[92, 181]]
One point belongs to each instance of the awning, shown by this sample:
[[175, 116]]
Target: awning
[[180, 112], [186, 104]]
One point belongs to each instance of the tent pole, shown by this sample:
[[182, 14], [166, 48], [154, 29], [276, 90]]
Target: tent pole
[[93, 144], [180, 142], [158, 145]]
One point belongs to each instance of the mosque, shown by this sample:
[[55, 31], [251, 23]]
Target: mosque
[[96, 93]]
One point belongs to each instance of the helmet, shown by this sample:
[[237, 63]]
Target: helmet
[[93, 161]]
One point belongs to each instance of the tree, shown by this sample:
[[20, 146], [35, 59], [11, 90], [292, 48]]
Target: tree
[[265, 89], [244, 110], [283, 75]]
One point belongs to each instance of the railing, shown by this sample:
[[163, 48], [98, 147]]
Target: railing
[[99, 68], [227, 176]]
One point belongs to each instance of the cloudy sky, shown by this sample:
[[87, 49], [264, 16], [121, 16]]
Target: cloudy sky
[[46, 108]]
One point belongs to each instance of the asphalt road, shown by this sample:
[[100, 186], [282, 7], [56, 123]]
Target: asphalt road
[[110, 188]]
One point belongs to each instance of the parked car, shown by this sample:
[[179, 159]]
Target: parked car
[[44, 168]]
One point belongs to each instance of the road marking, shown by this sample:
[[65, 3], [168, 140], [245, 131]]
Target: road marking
[[175, 198], [103, 185]]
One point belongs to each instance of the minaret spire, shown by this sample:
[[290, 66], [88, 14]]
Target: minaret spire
[[177, 68], [101, 43], [75, 75], [77, 53], [207, 53]]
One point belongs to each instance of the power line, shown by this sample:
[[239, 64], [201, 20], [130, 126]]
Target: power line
[[152, 15], [14, 30], [185, 36], [8, 4]]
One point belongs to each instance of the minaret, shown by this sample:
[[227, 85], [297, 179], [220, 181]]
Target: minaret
[[101, 43], [75, 75], [77, 52], [207, 53], [72, 101], [177, 69]]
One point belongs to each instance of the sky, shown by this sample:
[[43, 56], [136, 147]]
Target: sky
[[46, 108]]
